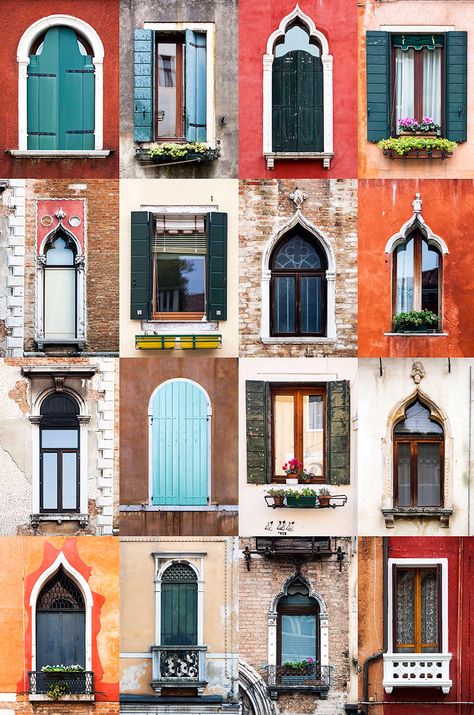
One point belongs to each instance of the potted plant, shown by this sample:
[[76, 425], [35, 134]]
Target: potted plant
[[278, 496], [56, 679], [427, 127], [416, 321], [324, 497], [296, 672], [305, 498], [292, 469]]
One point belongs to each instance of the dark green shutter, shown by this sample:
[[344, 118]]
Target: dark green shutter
[[178, 614], [378, 85], [310, 102], [338, 432], [216, 266], [258, 413], [284, 103], [144, 85], [141, 233], [455, 116]]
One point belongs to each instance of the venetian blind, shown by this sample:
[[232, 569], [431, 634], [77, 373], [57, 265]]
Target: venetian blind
[[180, 234]]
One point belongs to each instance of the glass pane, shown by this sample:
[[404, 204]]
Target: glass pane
[[297, 252], [313, 434], [283, 427], [296, 38], [417, 421], [405, 277], [404, 476], [285, 304], [59, 254], [429, 278], [167, 89], [311, 304], [429, 474], [60, 303], [59, 438], [429, 611], [180, 284], [404, 84], [432, 84], [298, 638], [405, 614], [70, 480], [50, 481]]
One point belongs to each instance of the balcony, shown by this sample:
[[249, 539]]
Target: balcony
[[416, 670], [61, 685], [314, 679], [179, 667]]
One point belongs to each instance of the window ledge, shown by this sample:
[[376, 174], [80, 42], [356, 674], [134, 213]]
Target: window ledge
[[165, 327], [64, 698], [416, 512], [152, 507], [298, 341], [416, 670], [36, 519], [273, 156], [80, 343], [59, 153], [415, 334]]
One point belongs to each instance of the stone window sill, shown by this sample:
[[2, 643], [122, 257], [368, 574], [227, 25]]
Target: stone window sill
[[298, 341], [59, 153], [64, 698], [165, 327], [77, 342], [273, 156], [36, 519], [414, 512], [417, 335]]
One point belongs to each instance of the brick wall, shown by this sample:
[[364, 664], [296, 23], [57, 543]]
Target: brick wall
[[64, 708]]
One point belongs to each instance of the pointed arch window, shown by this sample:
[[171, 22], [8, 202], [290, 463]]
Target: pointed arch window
[[298, 628], [417, 276], [60, 289], [298, 286], [418, 459]]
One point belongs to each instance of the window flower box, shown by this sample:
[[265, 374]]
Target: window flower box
[[411, 146], [305, 502], [416, 321], [176, 152]]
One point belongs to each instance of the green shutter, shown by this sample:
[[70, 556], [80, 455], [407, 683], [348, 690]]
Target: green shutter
[[144, 85], [338, 432], [258, 414], [179, 608], [310, 102], [216, 266], [284, 103], [141, 238], [378, 85], [455, 116], [195, 86]]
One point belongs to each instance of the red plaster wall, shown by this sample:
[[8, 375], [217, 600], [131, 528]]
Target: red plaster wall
[[15, 17], [384, 206], [257, 21]]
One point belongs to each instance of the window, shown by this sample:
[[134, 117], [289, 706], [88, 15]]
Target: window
[[298, 286], [298, 429], [298, 625], [417, 276], [59, 455], [179, 617], [417, 610], [60, 289], [419, 459]]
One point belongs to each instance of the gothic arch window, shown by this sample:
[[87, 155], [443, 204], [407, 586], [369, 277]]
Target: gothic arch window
[[298, 632]]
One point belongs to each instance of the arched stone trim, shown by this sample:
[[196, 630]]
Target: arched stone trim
[[327, 62], [255, 689], [84, 587], [23, 60], [416, 221], [299, 219]]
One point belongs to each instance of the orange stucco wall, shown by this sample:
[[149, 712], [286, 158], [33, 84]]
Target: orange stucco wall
[[448, 207], [22, 561]]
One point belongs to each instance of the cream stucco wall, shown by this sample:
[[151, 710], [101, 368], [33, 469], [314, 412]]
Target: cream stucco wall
[[219, 193], [451, 392], [254, 515]]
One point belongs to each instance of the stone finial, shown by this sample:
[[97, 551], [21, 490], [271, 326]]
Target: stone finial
[[60, 214], [298, 197], [417, 204], [417, 372]]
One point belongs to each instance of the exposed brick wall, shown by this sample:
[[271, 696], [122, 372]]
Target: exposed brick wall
[[265, 207], [63, 708]]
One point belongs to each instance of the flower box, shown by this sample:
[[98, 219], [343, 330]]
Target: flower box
[[418, 154], [304, 502]]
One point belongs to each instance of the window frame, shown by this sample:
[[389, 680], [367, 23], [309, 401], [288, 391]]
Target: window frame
[[418, 610], [413, 441], [49, 244], [59, 451], [177, 38], [299, 611]]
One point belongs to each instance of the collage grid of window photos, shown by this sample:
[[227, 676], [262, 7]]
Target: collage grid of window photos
[[236, 357]]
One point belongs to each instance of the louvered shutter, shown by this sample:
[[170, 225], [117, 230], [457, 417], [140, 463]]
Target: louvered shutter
[[258, 416], [195, 86], [310, 103], [141, 242], [455, 63], [143, 85], [378, 85], [284, 103], [217, 266], [43, 95], [338, 432]]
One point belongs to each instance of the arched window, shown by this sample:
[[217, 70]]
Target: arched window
[[417, 276], [298, 632], [298, 286], [59, 454], [60, 289], [418, 458], [179, 606]]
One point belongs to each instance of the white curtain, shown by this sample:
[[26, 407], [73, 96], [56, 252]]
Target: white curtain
[[432, 84], [405, 278], [404, 84]]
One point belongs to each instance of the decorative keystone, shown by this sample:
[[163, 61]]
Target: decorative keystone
[[298, 197]]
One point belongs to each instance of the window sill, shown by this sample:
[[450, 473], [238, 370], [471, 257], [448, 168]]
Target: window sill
[[415, 512], [416, 670], [79, 343], [414, 334], [298, 341], [64, 698], [151, 507], [59, 153], [273, 156], [165, 327], [36, 519]]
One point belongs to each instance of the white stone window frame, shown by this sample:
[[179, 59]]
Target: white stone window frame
[[327, 61], [265, 334], [23, 60], [210, 30], [273, 620], [150, 444], [81, 285]]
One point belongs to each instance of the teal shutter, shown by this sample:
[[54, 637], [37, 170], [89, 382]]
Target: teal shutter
[[455, 62], [141, 239], [338, 432], [195, 84], [258, 414], [378, 85], [216, 266], [180, 445], [61, 94], [179, 606], [143, 85]]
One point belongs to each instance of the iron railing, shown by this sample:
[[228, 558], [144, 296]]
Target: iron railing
[[60, 683], [179, 666], [312, 678]]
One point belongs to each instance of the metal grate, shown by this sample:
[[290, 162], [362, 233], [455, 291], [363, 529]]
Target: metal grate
[[60, 594], [180, 573]]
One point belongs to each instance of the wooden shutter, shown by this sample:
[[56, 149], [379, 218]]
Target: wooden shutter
[[455, 111], [378, 85], [310, 103], [216, 266], [60, 638], [284, 102], [338, 432], [178, 614], [195, 86], [43, 95], [258, 413], [141, 240], [143, 85]]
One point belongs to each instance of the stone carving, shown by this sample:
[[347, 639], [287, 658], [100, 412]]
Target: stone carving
[[298, 197], [179, 664], [417, 372]]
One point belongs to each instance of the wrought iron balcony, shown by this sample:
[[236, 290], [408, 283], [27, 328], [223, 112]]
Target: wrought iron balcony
[[179, 667], [61, 685], [416, 670], [311, 678]]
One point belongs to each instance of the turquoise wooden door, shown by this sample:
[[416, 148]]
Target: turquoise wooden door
[[180, 445], [60, 94]]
